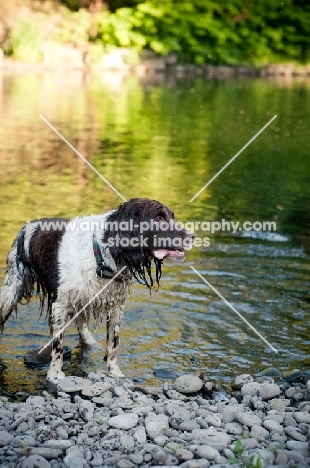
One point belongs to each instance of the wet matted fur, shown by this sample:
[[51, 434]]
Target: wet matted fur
[[60, 263]]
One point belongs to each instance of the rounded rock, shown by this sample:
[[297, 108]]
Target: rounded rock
[[272, 372], [302, 417], [240, 380], [277, 405], [268, 391], [184, 455], [159, 455], [273, 426], [188, 384], [5, 438], [35, 461], [124, 421], [259, 433], [250, 389], [207, 452], [156, 424], [136, 458], [72, 384], [249, 419]]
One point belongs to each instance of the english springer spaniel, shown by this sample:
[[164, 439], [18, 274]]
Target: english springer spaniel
[[69, 263]]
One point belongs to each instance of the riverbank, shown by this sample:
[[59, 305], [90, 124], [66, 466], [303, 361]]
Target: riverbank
[[66, 57], [102, 421]]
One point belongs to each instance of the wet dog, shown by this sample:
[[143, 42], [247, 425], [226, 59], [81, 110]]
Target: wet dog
[[85, 265]]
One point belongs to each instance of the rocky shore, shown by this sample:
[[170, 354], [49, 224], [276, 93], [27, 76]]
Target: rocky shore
[[111, 422]]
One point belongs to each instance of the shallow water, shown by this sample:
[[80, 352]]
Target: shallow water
[[165, 139]]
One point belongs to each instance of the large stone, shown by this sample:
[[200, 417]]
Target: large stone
[[212, 437], [124, 421], [188, 384], [249, 419], [72, 384], [155, 424], [240, 380], [5, 438], [234, 428], [183, 425], [273, 426], [35, 461], [250, 389], [302, 417], [86, 410], [277, 405], [178, 411], [295, 433], [96, 389], [207, 452], [58, 444], [259, 433], [268, 391], [299, 447], [127, 442], [45, 452]]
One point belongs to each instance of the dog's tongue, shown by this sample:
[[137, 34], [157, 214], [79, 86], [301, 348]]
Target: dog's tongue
[[160, 253], [169, 254]]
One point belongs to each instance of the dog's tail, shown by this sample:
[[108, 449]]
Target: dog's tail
[[19, 279]]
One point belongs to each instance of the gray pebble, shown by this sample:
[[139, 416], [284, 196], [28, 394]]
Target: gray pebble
[[207, 452], [269, 391], [234, 428], [272, 426], [125, 464], [136, 458], [240, 380], [184, 455], [277, 405], [187, 384], [159, 455], [35, 461], [171, 460], [127, 442], [249, 419], [124, 421], [156, 424]]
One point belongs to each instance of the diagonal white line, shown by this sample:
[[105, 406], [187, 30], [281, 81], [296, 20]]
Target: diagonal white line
[[83, 308], [82, 157], [235, 310], [232, 159]]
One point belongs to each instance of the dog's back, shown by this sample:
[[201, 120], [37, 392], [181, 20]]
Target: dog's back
[[31, 266]]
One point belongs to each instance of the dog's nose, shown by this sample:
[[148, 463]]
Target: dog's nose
[[190, 235]]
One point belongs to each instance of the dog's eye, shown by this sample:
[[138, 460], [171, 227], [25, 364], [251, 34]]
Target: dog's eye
[[158, 219]]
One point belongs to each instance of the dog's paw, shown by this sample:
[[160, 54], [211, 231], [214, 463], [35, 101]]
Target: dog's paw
[[54, 377], [114, 371]]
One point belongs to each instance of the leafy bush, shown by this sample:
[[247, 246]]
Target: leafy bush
[[25, 42], [210, 31]]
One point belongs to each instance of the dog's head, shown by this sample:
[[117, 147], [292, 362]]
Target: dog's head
[[142, 230]]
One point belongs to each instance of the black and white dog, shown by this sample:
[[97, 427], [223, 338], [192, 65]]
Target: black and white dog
[[68, 262]]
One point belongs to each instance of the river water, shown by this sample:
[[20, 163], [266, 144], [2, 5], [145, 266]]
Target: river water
[[165, 138]]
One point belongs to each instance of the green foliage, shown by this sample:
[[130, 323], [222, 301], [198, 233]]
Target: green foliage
[[198, 31], [253, 462], [25, 42], [215, 32]]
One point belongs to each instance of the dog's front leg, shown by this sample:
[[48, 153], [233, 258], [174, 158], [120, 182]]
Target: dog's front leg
[[58, 321], [113, 328]]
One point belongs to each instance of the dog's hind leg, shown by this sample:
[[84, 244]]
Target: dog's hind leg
[[57, 323], [84, 333], [113, 329]]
